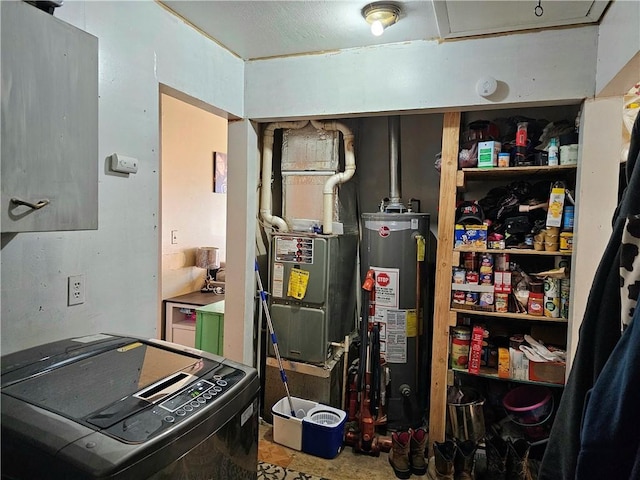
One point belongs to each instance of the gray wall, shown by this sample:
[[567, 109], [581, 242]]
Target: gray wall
[[141, 46]]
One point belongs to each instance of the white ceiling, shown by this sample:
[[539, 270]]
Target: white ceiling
[[265, 28]]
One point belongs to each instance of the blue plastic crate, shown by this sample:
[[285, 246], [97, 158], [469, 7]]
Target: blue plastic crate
[[323, 431]]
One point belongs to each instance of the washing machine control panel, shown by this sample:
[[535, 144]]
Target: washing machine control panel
[[194, 396], [179, 407]]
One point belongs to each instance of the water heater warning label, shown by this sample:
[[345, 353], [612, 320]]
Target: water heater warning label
[[387, 287]]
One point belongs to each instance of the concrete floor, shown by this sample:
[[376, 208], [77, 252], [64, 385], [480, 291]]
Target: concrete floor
[[346, 466]]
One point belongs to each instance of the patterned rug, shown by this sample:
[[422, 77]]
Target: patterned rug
[[268, 471]]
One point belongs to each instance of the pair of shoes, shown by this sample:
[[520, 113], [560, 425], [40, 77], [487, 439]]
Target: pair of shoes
[[407, 452], [453, 460], [509, 460]]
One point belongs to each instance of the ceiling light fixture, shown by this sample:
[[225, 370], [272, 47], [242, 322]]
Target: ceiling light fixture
[[381, 15]]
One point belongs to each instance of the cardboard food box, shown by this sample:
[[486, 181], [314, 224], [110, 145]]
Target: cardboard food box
[[488, 154], [470, 236], [549, 372]]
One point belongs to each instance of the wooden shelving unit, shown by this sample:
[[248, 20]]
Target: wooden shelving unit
[[452, 182]]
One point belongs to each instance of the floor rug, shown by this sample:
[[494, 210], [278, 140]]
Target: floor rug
[[268, 471]]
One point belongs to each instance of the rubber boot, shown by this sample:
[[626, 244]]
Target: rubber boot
[[465, 460], [419, 440], [399, 455], [518, 461], [497, 450], [441, 464]]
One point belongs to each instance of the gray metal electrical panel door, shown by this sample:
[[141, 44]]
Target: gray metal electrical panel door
[[49, 122]]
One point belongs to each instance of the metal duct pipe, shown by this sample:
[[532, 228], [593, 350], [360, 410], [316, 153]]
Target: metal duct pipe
[[340, 177], [395, 195], [267, 167]]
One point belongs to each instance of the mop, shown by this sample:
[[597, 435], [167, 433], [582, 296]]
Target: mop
[[274, 340]]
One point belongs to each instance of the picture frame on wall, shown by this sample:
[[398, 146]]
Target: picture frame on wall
[[219, 172]]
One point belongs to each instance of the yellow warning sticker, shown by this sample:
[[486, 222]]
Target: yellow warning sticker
[[412, 324], [421, 248], [298, 281], [131, 346]]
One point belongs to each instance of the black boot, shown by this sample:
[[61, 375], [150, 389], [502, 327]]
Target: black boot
[[497, 450], [518, 467], [399, 455], [441, 464], [465, 460]]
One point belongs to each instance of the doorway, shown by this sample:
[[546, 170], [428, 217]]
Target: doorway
[[193, 212]]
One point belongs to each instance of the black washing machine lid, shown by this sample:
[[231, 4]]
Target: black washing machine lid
[[100, 375]]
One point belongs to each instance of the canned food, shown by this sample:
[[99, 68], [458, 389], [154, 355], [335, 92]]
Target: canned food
[[460, 340], [486, 279], [459, 297], [486, 299], [470, 261], [486, 263], [459, 275], [472, 278], [472, 298], [502, 302], [552, 307], [566, 241], [565, 291]]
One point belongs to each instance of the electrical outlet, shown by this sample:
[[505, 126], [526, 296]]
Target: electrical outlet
[[76, 290]]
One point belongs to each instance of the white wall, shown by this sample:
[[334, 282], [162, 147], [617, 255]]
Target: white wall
[[190, 135], [546, 66], [618, 65], [140, 46]]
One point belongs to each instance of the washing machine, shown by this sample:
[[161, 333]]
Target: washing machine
[[110, 406]]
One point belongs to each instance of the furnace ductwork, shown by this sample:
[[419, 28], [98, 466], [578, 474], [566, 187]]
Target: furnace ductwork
[[331, 183]]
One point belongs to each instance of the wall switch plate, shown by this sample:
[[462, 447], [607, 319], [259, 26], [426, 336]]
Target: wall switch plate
[[122, 164], [76, 290], [174, 237]]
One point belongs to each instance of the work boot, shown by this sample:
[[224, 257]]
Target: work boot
[[399, 455], [497, 450], [465, 460], [441, 464], [418, 443], [518, 467]]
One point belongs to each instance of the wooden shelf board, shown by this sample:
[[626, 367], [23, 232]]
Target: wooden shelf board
[[491, 373], [519, 316], [515, 251], [462, 176]]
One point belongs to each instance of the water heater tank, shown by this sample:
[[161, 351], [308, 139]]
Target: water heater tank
[[394, 245]]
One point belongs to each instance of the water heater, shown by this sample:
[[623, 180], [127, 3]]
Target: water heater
[[396, 246]]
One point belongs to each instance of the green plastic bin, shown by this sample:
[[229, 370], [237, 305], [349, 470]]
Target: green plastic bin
[[210, 327]]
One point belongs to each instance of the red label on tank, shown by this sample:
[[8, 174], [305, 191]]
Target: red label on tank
[[383, 231], [383, 279]]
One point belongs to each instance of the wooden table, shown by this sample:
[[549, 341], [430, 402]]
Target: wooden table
[[180, 316]]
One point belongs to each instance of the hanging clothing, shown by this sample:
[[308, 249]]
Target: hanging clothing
[[610, 436], [599, 333]]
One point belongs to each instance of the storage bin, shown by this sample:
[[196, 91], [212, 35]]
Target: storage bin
[[549, 372], [210, 327], [323, 431], [287, 430]]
